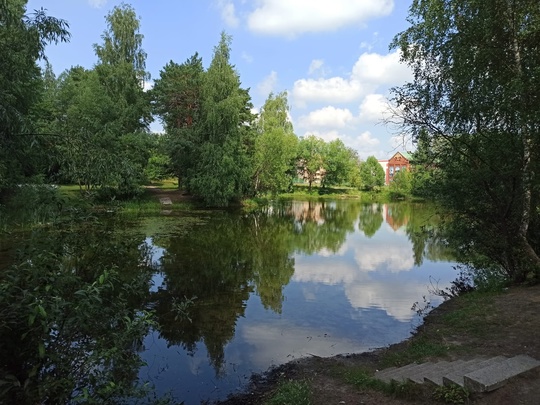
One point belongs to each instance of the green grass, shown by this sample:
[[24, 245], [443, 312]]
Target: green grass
[[417, 350], [291, 393], [166, 184], [363, 380]]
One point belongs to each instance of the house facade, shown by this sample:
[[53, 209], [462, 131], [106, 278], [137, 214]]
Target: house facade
[[400, 161]]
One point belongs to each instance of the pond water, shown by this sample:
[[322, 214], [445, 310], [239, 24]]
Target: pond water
[[233, 292], [292, 280]]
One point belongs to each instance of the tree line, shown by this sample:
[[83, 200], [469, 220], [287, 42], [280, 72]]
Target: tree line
[[91, 126]]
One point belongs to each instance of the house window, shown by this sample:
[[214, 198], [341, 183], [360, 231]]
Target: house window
[[391, 170]]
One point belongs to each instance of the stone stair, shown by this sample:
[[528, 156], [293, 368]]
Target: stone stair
[[477, 375]]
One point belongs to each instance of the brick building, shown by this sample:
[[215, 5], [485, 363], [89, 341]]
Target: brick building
[[400, 161]]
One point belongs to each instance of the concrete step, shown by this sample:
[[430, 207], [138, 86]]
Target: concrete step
[[495, 376], [476, 375], [388, 375], [456, 376], [436, 377]]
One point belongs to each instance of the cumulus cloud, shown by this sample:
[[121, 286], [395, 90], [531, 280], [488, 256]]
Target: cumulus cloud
[[374, 108], [292, 18], [268, 84], [370, 71], [327, 117], [380, 69], [326, 136], [228, 13], [332, 90], [97, 3]]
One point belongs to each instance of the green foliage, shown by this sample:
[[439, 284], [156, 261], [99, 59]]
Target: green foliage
[[291, 393], [31, 204], [371, 174], [68, 330], [177, 98], [100, 116], [471, 62], [222, 170], [339, 163], [275, 147], [311, 153], [453, 394], [401, 185], [23, 39], [158, 167]]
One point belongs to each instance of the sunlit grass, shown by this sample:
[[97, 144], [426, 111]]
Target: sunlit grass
[[166, 184]]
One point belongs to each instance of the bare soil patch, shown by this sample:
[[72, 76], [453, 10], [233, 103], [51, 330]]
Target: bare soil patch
[[501, 324]]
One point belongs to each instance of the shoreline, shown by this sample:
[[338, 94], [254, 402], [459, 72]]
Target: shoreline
[[471, 325]]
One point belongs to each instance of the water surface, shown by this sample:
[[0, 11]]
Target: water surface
[[292, 280]]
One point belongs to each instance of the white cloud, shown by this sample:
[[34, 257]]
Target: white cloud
[[291, 18], [374, 108], [327, 117], [370, 72], [380, 69], [327, 136], [332, 90], [268, 84], [228, 13], [315, 66], [97, 3]]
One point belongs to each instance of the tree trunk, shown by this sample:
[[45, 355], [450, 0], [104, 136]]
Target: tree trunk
[[527, 175]]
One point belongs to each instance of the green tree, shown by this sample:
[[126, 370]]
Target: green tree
[[339, 163], [223, 167], [23, 39], [275, 146], [424, 166], [401, 184], [103, 113], [121, 68], [476, 87], [311, 158], [177, 98], [371, 174]]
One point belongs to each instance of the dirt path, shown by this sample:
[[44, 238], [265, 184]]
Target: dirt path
[[175, 195]]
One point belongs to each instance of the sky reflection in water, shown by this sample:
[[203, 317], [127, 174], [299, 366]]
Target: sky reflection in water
[[319, 279]]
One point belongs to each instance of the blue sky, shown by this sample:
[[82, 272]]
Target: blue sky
[[331, 56]]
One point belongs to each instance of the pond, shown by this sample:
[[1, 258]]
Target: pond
[[232, 292], [292, 280]]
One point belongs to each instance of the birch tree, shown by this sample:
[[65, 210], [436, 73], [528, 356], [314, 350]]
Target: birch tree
[[476, 89]]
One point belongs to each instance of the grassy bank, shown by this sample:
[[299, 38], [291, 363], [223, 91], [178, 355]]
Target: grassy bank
[[473, 325]]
